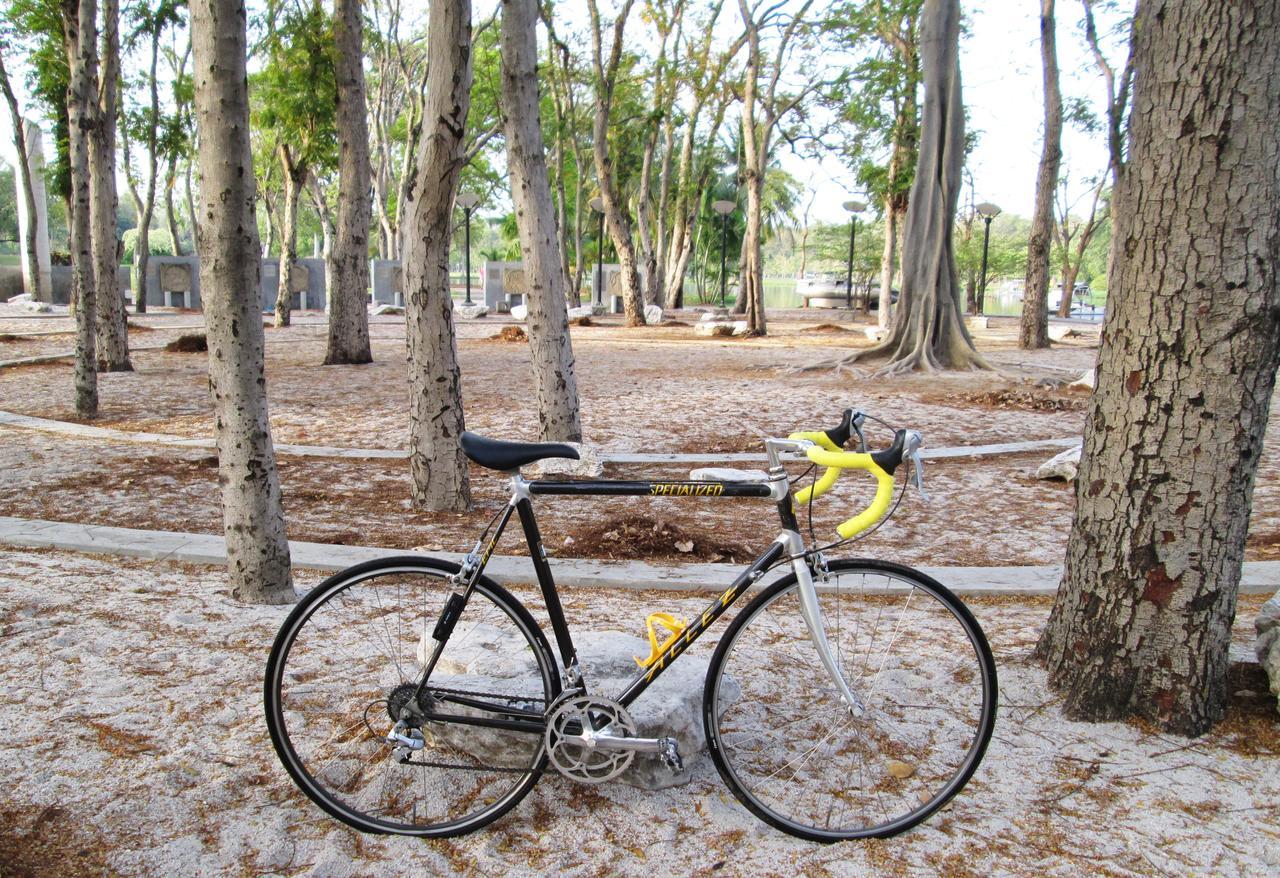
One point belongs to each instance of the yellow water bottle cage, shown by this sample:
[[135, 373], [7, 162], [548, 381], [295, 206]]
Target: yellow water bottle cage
[[675, 627], [828, 454]]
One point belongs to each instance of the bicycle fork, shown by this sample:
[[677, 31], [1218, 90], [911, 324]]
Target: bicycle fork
[[812, 614]]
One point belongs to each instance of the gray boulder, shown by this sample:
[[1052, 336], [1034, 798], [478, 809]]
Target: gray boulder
[[1062, 466], [671, 707], [470, 312]]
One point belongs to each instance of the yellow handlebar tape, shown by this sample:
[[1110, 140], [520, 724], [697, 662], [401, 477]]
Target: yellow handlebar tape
[[836, 460]]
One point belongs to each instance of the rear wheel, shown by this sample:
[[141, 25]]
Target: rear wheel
[[345, 666], [791, 750]]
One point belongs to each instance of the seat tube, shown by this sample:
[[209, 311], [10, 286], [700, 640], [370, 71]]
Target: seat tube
[[812, 614], [549, 593]]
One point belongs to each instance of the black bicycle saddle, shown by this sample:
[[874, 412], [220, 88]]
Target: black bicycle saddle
[[507, 456]]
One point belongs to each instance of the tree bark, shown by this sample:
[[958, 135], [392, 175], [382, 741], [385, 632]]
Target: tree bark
[[553, 367], [145, 207], [295, 177], [928, 330], [1034, 332], [30, 251], [113, 340], [349, 262], [82, 63], [888, 262], [1142, 620], [615, 216], [437, 466], [230, 268]]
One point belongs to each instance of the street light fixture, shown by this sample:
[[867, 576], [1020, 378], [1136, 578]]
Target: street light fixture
[[988, 212], [854, 207], [597, 204], [724, 208], [468, 201]]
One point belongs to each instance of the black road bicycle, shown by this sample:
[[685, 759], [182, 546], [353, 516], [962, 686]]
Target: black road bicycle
[[851, 698]]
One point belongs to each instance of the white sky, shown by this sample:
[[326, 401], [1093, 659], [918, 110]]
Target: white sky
[[1000, 69]]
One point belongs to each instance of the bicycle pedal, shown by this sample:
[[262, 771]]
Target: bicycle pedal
[[671, 754]]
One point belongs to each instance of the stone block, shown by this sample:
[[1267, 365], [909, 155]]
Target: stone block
[[470, 312], [520, 312], [1268, 647], [175, 278], [652, 315], [1062, 466], [299, 278]]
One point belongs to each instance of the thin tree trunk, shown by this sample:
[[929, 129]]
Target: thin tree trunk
[[615, 217], [437, 465], [113, 340], [887, 261], [30, 251], [192, 219], [349, 262], [1034, 332], [82, 61], [253, 512], [295, 176], [145, 207], [1142, 621], [553, 367]]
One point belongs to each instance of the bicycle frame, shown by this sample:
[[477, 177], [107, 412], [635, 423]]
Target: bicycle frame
[[788, 546]]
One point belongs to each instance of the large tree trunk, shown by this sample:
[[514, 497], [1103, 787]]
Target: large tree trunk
[[227, 242], [553, 368], [113, 341], [928, 330], [437, 465], [349, 262], [295, 176], [78, 17], [1143, 617], [1034, 332]]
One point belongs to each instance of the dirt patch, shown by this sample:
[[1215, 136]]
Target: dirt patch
[[1039, 400], [40, 841], [138, 327], [582, 321], [826, 328], [188, 344], [510, 334], [631, 536], [5, 337]]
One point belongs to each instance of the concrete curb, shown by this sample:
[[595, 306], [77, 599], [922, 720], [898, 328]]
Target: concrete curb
[[107, 434], [1260, 577]]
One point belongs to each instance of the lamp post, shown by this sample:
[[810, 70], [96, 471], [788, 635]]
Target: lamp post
[[724, 208], [597, 204], [854, 207], [468, 201], [988, 212]]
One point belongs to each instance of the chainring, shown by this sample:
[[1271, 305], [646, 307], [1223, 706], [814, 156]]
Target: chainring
[[568, 742]]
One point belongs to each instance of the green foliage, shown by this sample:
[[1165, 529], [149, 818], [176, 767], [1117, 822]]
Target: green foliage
[[293, 97], [35, 26], [8, 206], [159, 243]]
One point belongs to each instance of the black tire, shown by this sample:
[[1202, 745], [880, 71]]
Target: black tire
[[797, 757], [362, 634]]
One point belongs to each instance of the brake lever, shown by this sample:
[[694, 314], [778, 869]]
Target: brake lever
[[913, 443], [855, 423]]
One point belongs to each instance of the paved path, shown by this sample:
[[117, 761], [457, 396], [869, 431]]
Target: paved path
[[1260, 577], [107, 434]]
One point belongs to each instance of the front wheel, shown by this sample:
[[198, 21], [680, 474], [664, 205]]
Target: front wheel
[[348, 664], [798, 757]]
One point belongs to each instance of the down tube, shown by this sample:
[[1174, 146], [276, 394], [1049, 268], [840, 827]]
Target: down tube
[[704, 621]]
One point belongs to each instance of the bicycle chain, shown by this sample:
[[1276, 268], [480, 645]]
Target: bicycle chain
[[473, 694]]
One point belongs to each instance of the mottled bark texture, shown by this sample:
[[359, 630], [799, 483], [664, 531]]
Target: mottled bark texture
[[113, 342], [349, 258], [1143, 618], [928, 330], [553, 368], [30, 253], [437, 466], [230, 268], [78, 18], [1034, 331]]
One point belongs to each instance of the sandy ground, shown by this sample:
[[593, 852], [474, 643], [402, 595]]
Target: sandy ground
[[649, 389], [132, 736], [132, 743]]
